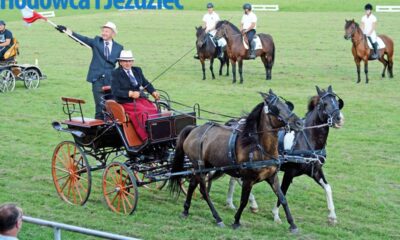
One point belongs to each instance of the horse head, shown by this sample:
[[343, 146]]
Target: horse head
[[225, 29], [329, 107], [201, 36], [350, 28], [281, 110]]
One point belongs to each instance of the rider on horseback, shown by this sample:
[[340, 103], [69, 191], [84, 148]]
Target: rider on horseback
[[368, 25], [210, 19], [248, 26]]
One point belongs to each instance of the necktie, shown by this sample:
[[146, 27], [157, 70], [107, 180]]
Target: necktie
[[132, 78], [106, 50]]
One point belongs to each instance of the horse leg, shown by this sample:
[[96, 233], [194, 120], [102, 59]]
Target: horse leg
[[246, 189], [231, 190], [241, 71], [385, 64], [203, 191], [221, 65], [274, 183], [227, 65], [266, 66], [287, 180], [366, 70], [320, 179], [390, 67], [212, 68], [252, 199], [233, 70], [358, 61], [203, 67], [192, 186]]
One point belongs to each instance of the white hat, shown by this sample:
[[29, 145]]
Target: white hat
[[126, 55], [112, 26]]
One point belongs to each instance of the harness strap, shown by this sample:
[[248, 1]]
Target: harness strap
[[200, 161], [232, 148]]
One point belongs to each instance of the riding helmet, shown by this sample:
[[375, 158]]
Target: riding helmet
[[247, 6], [2, 22], [368, 6], [210, 5]]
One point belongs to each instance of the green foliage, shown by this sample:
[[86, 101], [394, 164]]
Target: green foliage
[[363, 157]]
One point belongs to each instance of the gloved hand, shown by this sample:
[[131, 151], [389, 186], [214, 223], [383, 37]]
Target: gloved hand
[[61, 28], [156, 95]]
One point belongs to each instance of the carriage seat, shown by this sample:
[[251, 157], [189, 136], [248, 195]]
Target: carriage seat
[[118, 112], [79, 121]]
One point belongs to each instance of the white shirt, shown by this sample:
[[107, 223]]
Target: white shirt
[[2, 237], [248, 19], [211, 20], [110, 44], [368, 22]]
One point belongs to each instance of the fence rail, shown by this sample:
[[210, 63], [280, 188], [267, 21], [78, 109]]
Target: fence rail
[[57, 227], [380, 8]]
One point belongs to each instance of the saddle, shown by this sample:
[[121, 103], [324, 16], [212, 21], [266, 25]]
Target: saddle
[[256, 40]]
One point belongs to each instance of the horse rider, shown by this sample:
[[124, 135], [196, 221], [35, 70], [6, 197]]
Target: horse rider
[[368, 25], [248, 26], [127, 85], [210, 20], [105, 52], [5, 39]]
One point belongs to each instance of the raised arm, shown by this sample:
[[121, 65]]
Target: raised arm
[[84, 39]]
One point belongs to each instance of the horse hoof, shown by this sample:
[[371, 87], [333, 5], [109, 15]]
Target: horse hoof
[[231, 206], [254, 209], [332, 221], [278, 220], [184, 215], [236, 225], [221, 224], [294, 230]]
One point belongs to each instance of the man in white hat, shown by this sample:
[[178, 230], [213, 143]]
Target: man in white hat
[[127, 85], [105, 53]]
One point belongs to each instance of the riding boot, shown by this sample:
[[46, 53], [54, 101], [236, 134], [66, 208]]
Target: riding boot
[[375, 55], [252, 54]]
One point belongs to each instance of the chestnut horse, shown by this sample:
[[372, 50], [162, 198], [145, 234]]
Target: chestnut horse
[[207, 50], [237, 52], [212, 146], [361, 51]]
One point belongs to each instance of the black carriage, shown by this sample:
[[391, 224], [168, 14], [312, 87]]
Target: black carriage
[[109, 141], [11, 71]]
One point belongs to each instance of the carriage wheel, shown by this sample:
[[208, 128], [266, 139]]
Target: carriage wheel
[[31, 78], [119, 188], [71, 173], [7, 81], [141, 177]]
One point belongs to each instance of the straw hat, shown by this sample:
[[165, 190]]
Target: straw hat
[[111, 26], [126, 55]]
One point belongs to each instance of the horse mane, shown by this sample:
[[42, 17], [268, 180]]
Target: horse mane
[[251, 126], [220, 23], [312, 103]]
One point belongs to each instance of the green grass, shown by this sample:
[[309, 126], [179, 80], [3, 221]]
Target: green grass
[[363, 157]]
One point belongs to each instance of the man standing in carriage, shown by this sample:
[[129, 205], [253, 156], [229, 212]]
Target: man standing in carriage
[[368, 25], [127, 87], [105, 53], [210, 20], [5, 39], [248, 26]]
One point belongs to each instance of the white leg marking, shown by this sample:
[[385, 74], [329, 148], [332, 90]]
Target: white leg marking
[[275, 212], [229, 199], [331, 207]]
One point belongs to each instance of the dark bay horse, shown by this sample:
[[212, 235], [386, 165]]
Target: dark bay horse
[[237, 52], [361, 51], [207, 49], [207, 146], [323, 113]]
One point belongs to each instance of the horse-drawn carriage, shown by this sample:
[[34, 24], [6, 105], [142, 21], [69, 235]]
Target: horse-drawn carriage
[[142, 164], [11, 72]]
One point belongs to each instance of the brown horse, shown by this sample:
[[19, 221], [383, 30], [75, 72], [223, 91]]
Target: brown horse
[[212, 146], [361, 51], [207, 49], [237, 52]]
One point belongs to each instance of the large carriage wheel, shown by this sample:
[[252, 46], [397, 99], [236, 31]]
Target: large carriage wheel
[[119, 188], [141, 177], [31, 78], [7, 80], [71, 173]]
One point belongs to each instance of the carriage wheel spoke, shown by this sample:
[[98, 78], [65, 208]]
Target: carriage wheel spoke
[[61, 169], [123, 203], [127, 200], [83, 187], [79, 192], [130, 194], [119, 203], [65, 184], [58, 179]]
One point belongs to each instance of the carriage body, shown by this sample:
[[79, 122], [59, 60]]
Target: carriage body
[[109, 145]]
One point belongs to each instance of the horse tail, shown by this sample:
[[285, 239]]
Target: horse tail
[[178, 162]]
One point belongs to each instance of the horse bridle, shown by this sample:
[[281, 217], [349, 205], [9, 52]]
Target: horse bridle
[[337, 107], [274, 111]]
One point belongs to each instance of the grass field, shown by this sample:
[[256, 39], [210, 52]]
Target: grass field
[[363, 157]]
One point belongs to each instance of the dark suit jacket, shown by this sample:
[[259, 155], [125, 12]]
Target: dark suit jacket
[[100, 67], [121, 84]]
